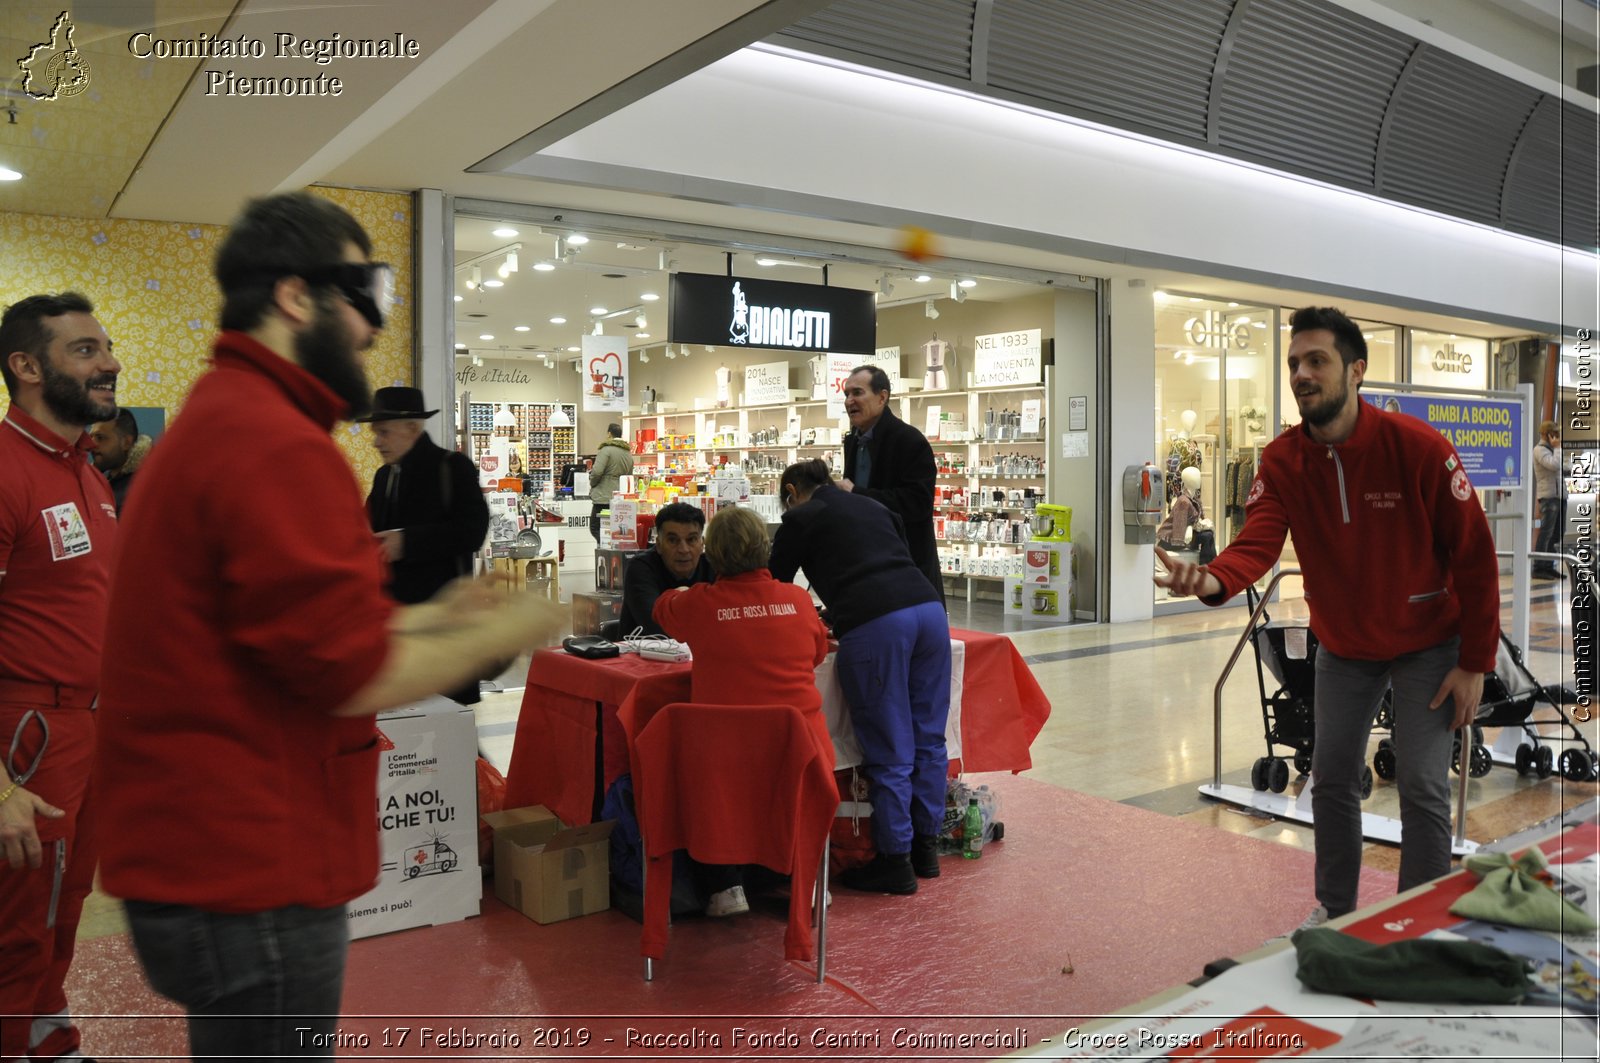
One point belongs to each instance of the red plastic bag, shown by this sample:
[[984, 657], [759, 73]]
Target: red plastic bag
[[850, 841], [491, 798]]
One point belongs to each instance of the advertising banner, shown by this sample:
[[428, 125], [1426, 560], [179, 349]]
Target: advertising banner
[[605, 374], [839, 367], [766, 384], [427, 819], [1487, 433], [1005, 359]]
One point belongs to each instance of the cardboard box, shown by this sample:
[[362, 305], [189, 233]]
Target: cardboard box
[[1045, 562], [610, 566], [546, 870], [589, 611], [1027, 599]]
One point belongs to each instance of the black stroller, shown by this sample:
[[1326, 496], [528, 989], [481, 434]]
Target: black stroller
[[1288, 650], [1510, 696]]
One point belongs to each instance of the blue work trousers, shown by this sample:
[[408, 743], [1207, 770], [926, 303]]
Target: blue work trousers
[[895, 675]]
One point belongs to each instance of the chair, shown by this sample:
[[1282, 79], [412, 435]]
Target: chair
[[733, 784]]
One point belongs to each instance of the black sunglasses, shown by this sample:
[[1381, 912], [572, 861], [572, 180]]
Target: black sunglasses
[[367, 286]]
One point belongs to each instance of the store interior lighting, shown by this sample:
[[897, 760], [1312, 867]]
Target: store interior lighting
[[559, 418], [599, 329], [958, 293], [669, 353], [644, 356], [885, 287], [929, 309], [503, 418]]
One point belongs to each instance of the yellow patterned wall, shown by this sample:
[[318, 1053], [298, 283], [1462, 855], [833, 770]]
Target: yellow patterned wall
[[153, 291]]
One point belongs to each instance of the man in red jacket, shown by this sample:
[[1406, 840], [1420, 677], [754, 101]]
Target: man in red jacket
[[1403, 587], [237, 761]]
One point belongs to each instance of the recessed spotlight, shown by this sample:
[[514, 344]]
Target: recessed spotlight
[[558, 321], [492, 283], [8, 174], [577, 239], [505, 232], [486, 336], [598, 310], [521, 328], [641, 335], [544, 267], [922, 278], [967, 282], [767, 260], [574, 350], [458, 298], [649, 297]]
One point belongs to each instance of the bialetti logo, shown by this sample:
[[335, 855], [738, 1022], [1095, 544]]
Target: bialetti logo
[[1212, 329], [777, 326], [1446, 359]]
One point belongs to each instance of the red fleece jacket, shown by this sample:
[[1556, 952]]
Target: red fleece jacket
[[1396, 552]]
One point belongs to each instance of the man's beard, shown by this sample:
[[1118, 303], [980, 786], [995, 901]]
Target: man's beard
[[326, 350], [70, 401], [1322, 412]]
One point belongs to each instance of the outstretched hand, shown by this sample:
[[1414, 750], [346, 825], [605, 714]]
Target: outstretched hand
[[1185, 578]]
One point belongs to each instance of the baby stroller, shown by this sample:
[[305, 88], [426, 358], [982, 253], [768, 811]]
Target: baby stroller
[[1288, 650], [1510, 695]]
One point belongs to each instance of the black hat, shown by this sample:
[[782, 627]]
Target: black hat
[[398, 404]]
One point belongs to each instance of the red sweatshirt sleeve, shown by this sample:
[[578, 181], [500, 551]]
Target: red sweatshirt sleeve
[[1463, 541]]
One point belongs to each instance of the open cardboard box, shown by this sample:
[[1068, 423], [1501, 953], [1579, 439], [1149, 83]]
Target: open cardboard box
[[546, 870]]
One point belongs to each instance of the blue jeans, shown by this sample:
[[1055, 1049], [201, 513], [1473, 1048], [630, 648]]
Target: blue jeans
[[1552, 518], [1347, 696], [262, 984], [894, 673]]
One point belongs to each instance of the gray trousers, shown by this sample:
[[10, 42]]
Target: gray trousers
[[1347, 698]]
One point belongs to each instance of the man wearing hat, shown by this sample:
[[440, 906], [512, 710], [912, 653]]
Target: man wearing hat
[[425, 505]]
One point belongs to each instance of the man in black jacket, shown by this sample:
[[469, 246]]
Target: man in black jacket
[[889, 461], [425, 505]]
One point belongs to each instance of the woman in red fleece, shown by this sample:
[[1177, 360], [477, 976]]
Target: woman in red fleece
[[755, 642]]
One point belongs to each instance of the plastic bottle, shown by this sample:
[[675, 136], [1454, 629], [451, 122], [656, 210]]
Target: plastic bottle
[[972, 831]]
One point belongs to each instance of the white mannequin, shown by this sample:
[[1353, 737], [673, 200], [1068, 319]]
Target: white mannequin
[[1191, 480], [1187, 419]]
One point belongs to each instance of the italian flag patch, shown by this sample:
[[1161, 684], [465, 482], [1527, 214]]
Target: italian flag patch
[[1450, 463]]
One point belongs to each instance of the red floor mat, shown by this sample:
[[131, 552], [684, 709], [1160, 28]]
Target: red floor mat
[[1129, 900]]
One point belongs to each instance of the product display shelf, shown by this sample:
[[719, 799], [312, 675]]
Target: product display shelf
[[547, 449], [728, 432]]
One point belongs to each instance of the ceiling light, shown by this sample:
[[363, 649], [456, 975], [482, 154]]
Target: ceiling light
[[458, 298], [486, 336], [574, 350], [967, 282], [475, 278], [640, 321], [510, 264], [598, 310], [8, 174], [644, 357], [768, 260], [544, 267], [669, 351], [577, 239], [929, 309], [505, 232], [642, 335], [709, 349], [649, 297], [922, 278], [684, 347], [599, 329], [558, 321], [492, 283], [520, 328], [558, 416], [1160, 294], [461, 348], [503, 418], [477, 359], [885, 288], [958, 293]]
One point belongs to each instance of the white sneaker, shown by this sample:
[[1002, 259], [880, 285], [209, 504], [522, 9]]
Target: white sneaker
[[1318, 916], [730, 901]]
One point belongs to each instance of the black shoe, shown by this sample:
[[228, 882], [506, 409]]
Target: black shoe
[[887, 873], [1540, 573], [925, 855]]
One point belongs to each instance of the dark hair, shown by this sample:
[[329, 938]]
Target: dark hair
[[681, 513], [126, 425], [275, 237], [806, 476], [22, 327], [1347, 337], [878, 380], [615, 429]]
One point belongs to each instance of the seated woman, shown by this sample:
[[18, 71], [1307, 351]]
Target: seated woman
[[755, 642], [893, 663]]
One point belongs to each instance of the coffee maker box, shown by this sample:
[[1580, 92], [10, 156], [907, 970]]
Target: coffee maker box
[[610, 567], [589, 611]]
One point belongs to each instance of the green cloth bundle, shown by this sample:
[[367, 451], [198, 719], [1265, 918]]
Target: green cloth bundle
[[1427, 970], [1509, 894]]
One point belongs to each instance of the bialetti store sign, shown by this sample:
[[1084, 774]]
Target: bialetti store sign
[[1008, 358], [743, 312]]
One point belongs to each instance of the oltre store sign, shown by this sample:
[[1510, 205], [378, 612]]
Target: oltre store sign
[[744, 312]]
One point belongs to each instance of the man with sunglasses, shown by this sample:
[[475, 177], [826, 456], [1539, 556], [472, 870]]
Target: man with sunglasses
[[237, 765]]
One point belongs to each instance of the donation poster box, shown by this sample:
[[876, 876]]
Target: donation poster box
[[428, 820]]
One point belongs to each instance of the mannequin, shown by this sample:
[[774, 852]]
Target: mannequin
[[1184, 514], [1182, 453], [1187, 420], [935, 379]]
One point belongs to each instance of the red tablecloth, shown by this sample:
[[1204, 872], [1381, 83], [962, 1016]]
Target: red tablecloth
[[570, 700]]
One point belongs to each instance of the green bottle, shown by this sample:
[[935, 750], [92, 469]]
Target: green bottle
[[972, 832]]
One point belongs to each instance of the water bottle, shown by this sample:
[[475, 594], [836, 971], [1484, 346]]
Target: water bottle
[[972, 831]]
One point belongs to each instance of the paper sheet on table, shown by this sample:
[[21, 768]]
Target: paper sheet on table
[[1500, 1033]]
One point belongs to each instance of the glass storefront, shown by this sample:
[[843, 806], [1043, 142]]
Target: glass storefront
[[1214, 366]]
